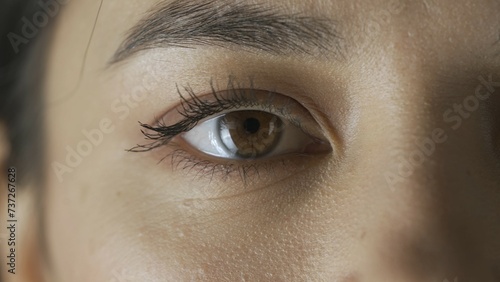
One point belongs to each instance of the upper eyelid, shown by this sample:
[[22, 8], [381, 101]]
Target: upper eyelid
[[187, 89], [161, 133], [234, 88]]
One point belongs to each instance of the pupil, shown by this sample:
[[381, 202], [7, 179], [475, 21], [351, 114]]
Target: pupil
[[251, 125]]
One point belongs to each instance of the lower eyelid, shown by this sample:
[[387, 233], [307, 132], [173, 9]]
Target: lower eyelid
[[211, 171]]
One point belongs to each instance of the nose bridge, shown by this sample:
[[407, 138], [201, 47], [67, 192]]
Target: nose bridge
[[425, 199], [424, 175], [418, 114], [431, 131], [398, 124], [426, 131]]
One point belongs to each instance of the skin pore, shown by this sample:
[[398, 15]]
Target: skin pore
[[385, 84]]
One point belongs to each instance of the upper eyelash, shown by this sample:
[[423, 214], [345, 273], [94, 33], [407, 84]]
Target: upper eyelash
[[194, 109]]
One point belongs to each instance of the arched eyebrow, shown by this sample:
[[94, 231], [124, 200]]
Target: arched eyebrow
[[191, 23]]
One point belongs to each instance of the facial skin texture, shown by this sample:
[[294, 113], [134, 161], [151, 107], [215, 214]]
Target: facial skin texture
[[351, 215]]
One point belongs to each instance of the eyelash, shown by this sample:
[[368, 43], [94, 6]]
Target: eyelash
[[193, 110], [181, 159]]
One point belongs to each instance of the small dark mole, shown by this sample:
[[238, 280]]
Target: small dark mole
[[363, 235], [351, 278]]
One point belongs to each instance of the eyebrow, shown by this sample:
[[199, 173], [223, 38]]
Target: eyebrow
[[191, 23]]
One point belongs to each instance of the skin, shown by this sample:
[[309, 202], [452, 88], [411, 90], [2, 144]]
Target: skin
[[349, 215]]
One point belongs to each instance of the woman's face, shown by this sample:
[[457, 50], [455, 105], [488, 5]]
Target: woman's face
[[319, 140]]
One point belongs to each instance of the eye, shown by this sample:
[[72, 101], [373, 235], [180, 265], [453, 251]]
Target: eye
[[237, 130], [250, 134]]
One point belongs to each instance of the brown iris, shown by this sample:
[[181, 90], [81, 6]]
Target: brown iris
[[250, 133]]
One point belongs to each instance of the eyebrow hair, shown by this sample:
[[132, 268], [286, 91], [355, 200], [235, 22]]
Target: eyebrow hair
[[191, 23]]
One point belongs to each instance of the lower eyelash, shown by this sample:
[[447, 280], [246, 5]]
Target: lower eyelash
[[208, 170], [182, 159]]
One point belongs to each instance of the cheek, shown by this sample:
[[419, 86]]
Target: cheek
[[85, 215], [256, 239], [123, 225], [121, 220]]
